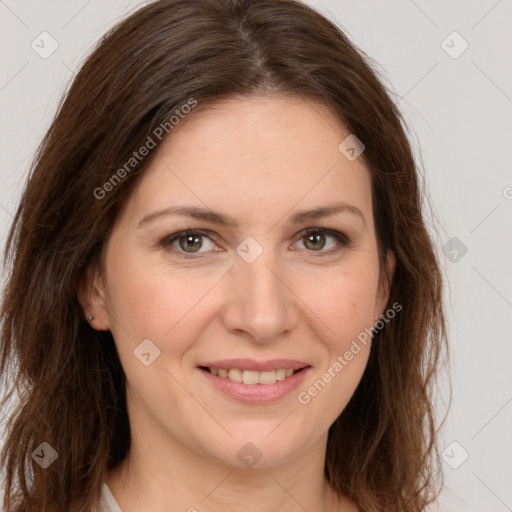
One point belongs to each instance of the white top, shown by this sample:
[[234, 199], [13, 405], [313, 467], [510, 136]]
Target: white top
[[107, 502]]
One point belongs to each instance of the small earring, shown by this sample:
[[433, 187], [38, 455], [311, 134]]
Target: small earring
[[91, 317]]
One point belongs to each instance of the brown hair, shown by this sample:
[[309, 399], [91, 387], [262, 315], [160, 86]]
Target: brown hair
[[382, 449]]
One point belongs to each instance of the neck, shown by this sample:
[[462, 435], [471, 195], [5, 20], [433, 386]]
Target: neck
[[155, 478]]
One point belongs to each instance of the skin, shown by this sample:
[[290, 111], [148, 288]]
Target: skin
[[258, 159]]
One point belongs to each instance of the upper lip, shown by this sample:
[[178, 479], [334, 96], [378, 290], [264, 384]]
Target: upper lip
[[260, 366]]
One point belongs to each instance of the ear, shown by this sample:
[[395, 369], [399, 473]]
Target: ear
[[91, 295], [385, 281]]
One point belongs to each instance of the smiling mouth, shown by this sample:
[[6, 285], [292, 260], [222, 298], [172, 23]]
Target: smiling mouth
[[252, 377]]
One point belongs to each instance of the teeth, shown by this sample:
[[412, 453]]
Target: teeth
[[235, 375], [251, 376], [267, 377]]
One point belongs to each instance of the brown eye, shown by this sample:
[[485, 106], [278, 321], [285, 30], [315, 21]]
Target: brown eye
[[316, 239], [190, 243], [186, 242]]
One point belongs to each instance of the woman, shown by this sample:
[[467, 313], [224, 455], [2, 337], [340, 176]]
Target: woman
[[221, 290]]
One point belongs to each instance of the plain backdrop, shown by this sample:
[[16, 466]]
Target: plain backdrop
[[448, 63]]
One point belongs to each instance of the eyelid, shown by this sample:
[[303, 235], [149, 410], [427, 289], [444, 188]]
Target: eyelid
[[343, 240], [173, 237]]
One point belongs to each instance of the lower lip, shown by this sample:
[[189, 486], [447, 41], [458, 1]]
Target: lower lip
[[256, 393]]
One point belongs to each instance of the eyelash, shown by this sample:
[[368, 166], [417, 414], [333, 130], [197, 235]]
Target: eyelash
[[343, 240]]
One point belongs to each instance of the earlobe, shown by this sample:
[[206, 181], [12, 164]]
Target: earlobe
[[91, 295]]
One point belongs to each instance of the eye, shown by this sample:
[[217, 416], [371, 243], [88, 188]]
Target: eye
[[315, 240], [188, 241]]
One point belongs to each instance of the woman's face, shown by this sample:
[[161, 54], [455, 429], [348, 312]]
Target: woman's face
[[243, 296]]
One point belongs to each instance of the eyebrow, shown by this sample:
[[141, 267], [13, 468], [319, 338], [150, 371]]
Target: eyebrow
[[222, 219]]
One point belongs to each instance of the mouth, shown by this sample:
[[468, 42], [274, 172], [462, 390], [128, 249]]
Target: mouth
[[254, 382], [252, 377]]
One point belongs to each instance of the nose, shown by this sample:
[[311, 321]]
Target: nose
[[259, 302]]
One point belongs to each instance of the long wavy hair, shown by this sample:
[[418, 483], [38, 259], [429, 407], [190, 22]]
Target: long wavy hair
[[382, 450]]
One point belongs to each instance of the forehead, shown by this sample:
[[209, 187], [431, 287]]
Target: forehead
[[258, 124], [254, 155]]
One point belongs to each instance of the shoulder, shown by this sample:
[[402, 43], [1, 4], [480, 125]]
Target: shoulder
[[107, 502]]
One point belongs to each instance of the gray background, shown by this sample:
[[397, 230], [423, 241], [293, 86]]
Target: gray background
[[459, 112]]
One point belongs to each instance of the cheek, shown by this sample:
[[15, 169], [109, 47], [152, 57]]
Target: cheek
[[344, 301], [156, 302], [345, 304], [161, 303], [346, 307]]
